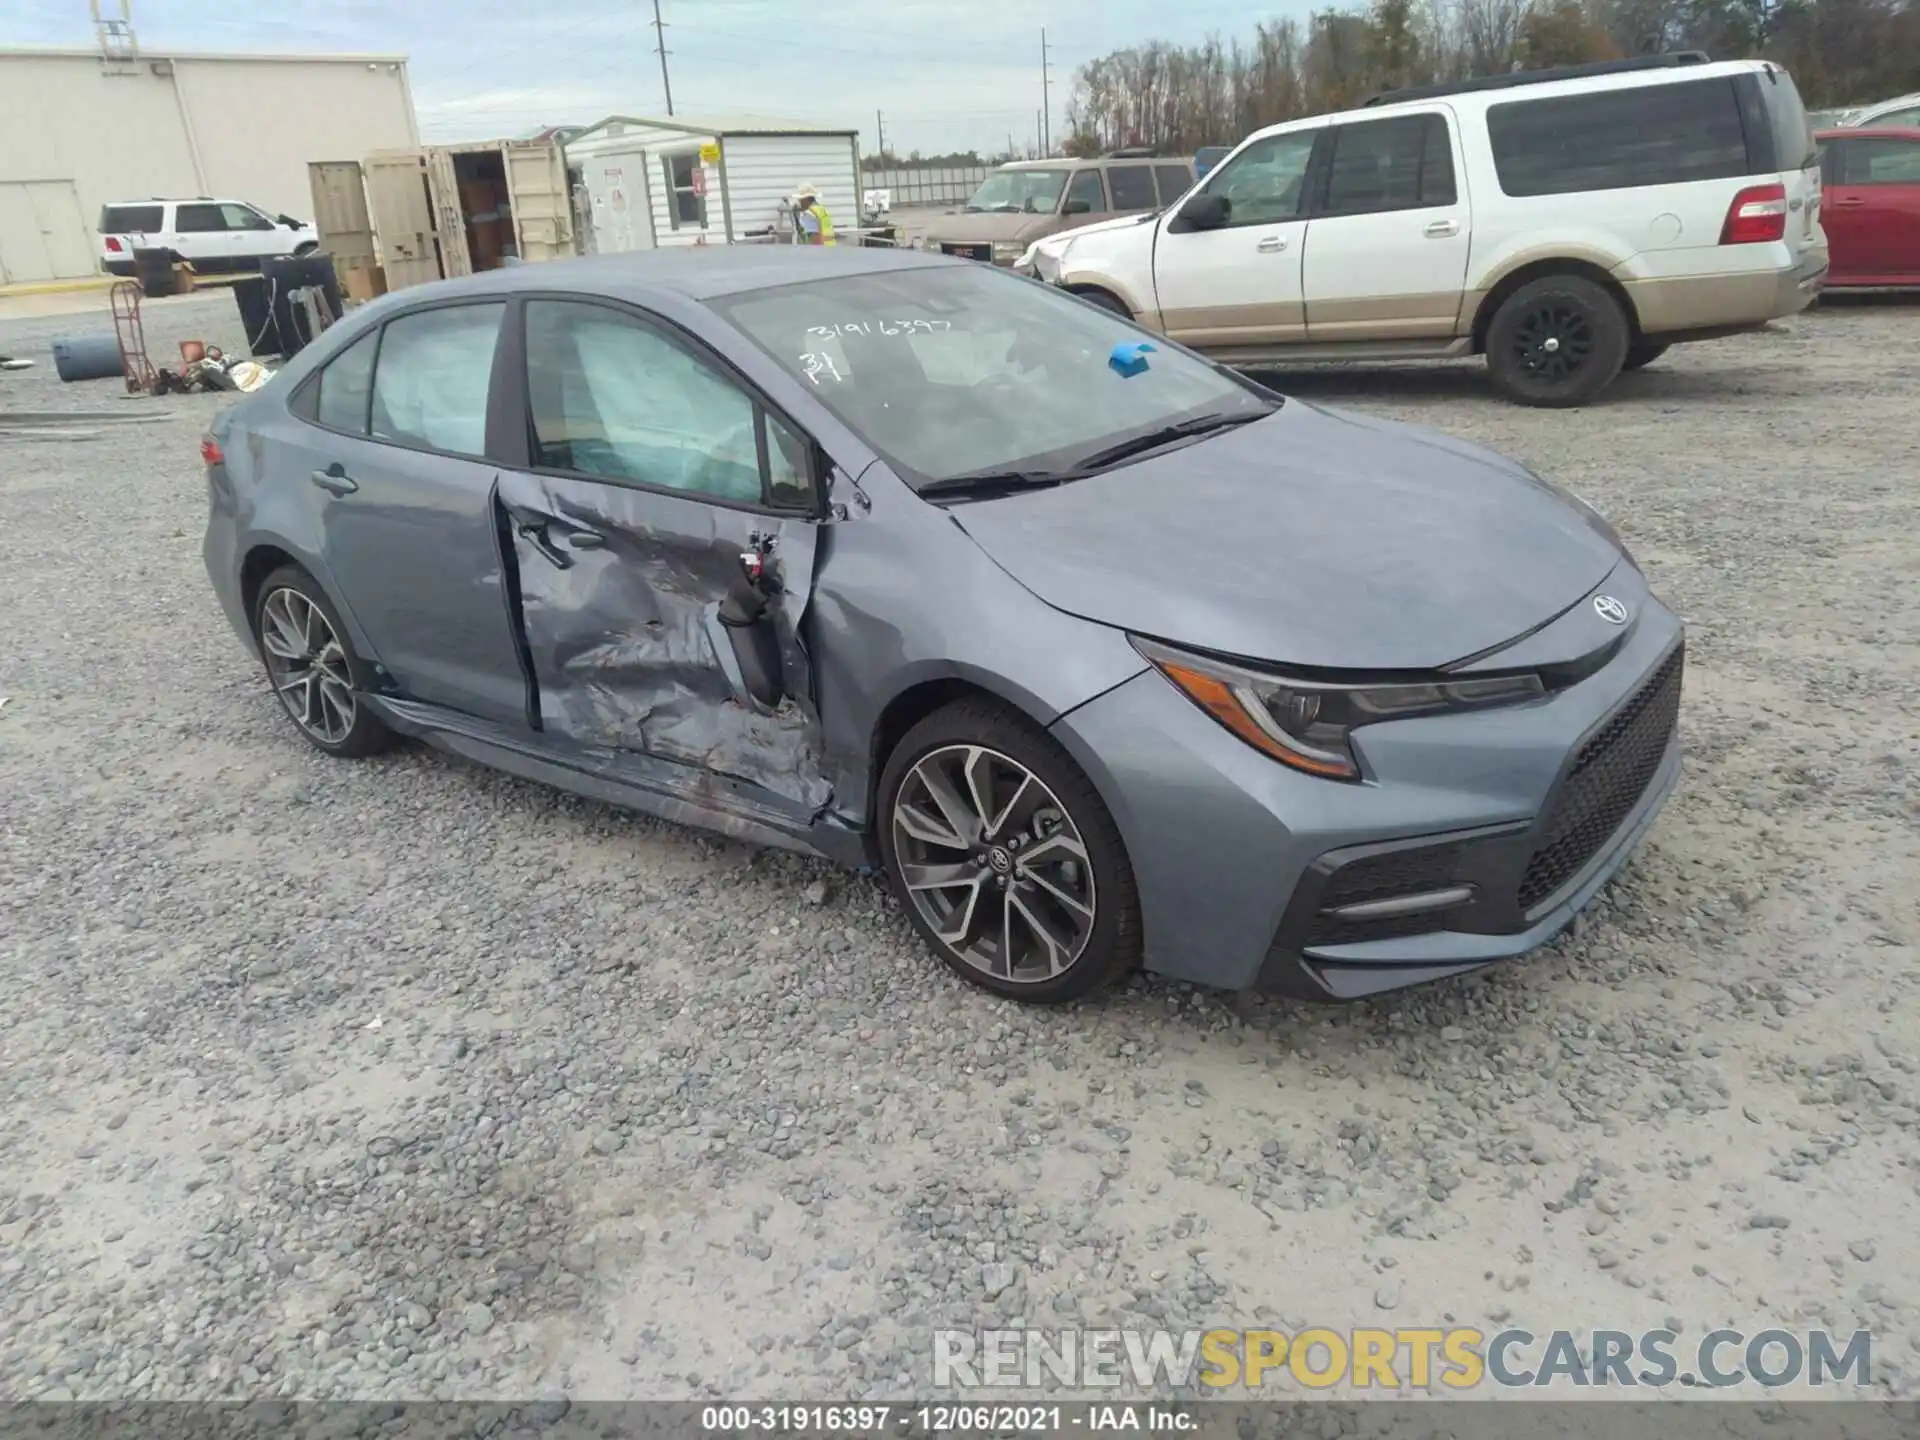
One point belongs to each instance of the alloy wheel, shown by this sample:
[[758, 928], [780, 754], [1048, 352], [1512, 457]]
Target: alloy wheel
[[993, 863], [1552, 341], [308, 666]]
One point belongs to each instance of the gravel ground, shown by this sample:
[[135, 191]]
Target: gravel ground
[[407, 1079]]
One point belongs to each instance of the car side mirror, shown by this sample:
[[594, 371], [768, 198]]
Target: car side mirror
[[288, 221], [1203, 212], [1077, 207]]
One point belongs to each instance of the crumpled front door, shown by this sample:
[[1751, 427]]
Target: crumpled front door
[[619, 599]]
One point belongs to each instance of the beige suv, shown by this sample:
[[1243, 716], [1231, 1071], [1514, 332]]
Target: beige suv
[[1028, 199], [1567, 224]]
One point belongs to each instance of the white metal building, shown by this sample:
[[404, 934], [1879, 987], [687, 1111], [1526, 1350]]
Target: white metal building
[[715, 181], [80, 128]]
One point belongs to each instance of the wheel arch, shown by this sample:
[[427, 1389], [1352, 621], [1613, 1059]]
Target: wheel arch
[[921, 697], [262, 555], [1089, 288], [927, 692], [1496, 295]]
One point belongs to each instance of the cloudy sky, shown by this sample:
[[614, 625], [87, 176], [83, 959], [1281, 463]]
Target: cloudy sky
[[944, 75]]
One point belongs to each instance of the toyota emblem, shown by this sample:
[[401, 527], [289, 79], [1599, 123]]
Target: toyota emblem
[[1610, 609]]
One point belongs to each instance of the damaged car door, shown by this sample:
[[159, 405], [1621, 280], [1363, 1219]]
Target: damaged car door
[[663, 532]]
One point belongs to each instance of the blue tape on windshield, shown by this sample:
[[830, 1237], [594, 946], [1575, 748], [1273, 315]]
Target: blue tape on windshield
[[1129, 357]]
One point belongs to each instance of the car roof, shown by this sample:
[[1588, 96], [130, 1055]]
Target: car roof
[[1484, 99], [696, 272], [1898, 102], [1100, 160]]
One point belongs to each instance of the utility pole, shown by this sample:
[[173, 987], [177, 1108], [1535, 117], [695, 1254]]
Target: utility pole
[[660, 46], [1046, 100], [880, 125]]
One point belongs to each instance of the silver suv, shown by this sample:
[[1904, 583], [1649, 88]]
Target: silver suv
[[1021, 202]]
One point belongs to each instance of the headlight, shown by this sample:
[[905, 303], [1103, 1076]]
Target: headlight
[[1307, 724], [1005, 252]]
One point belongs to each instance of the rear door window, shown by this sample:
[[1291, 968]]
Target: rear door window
[[1175, 181], [130, 219], [1405, 163], [196, 219], [430, 387], [1132, 187], [1616, 139]]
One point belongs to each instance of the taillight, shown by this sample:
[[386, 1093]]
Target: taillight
[[113, 244], [1758, 214], [210, 451]]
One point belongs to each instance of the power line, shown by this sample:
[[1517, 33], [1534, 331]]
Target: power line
[[660, 34]]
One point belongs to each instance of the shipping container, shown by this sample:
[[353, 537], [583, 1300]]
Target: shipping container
[[438, 211]]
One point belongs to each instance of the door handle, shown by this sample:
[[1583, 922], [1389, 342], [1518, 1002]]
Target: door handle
[[1272, 245], [586, 539], [335, 480], [534, 532], [1853, 204], [1441, 229]]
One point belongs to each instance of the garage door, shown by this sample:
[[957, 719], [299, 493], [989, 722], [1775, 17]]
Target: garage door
[[42, 233]]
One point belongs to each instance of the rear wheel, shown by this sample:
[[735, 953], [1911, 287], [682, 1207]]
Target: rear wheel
[[1641, 354], [1004, 856], [1556, 341], [314, 672]]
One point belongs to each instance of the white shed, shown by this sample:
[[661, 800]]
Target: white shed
[[715, 181]]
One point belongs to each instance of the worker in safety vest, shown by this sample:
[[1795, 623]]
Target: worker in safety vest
[[816, 225]]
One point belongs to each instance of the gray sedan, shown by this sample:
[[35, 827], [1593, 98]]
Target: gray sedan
[[1104, 654]]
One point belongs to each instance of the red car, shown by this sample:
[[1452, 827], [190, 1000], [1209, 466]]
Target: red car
[[1870, 206]]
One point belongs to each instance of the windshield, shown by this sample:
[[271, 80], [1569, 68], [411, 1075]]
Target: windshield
[[963, 370], [1026, 192]]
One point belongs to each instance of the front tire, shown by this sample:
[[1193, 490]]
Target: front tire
[[1556, 342], [1005, 858], [312, 668], [1642, 354], [1106, 300]]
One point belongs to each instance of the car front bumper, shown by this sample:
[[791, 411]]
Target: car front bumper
[[1475, 838]]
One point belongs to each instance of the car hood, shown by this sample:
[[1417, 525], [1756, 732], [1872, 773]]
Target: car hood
[[1312, 538], [989, 225], [1059, 241]]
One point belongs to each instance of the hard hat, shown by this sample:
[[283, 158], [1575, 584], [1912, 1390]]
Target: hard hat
[[806, 192]]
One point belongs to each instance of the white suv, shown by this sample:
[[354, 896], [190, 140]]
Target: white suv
[[212, 235], [1567, 224]]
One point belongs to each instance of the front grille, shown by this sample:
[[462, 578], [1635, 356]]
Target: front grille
[[969, 252], [1609, 775], [1385, 876]]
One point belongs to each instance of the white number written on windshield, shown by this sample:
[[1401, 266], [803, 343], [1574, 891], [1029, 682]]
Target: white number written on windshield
[[880, 327]]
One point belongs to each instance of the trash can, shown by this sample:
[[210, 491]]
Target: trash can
[[88, 357]]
